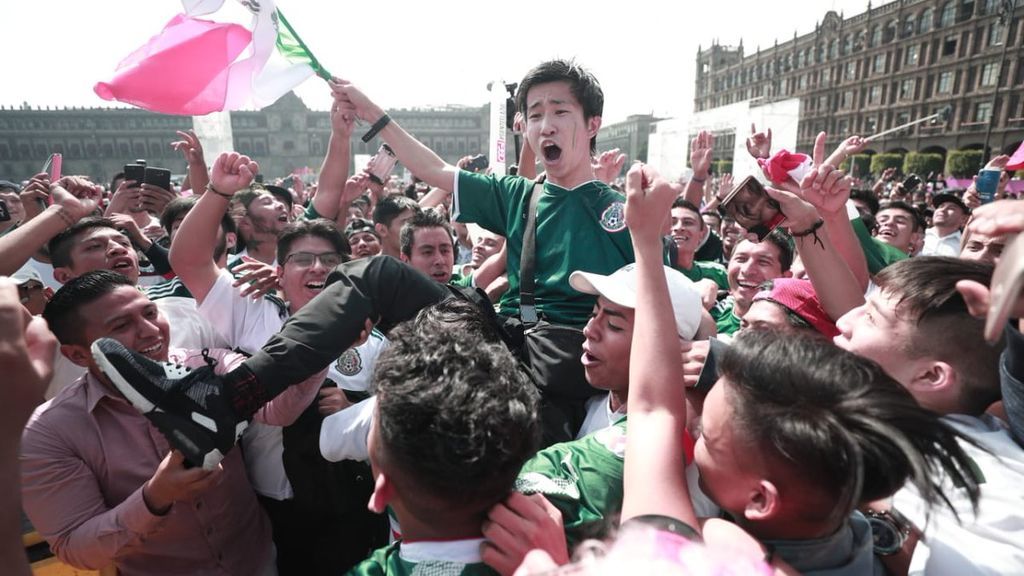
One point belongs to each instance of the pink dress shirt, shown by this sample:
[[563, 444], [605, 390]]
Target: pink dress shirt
[[85, 456]]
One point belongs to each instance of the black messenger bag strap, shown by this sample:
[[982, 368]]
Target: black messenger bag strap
[[527, 282]]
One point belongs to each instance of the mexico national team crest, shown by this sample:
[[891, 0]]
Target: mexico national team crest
[[613, 219], [350, 363]]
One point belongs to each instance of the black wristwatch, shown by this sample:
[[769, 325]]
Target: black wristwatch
[[889, 530]]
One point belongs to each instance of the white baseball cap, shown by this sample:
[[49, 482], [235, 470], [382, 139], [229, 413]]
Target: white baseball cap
[[620, 288]]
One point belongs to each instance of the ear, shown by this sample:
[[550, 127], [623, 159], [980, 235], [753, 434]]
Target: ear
[[763, 503], [403, 257], [77, 353], [382, 231], [932, 376], [63, 274], [787, 274], [383, 494], [593, 125], [230, 240]]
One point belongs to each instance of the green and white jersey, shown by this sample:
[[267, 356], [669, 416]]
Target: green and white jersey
[[582, 478], [458, 558], [579, 229], [725, 319], [709, 270]]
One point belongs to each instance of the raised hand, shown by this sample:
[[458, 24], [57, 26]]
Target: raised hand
[[80, 187], [27, 351], [759, 144], [826, 187], [352, 101], [343, 118], [800, 214], [648, 201], [190, 147], [701, 149], [608, 165], [127, 196], [154, 198], [35, 195], [77, 207], [232, 172], [518, 525], [355, 186]]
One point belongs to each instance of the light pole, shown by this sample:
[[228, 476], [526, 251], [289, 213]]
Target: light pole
[[1006, 8]]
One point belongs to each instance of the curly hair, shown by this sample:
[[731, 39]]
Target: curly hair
[[850, 430], [455, 415]]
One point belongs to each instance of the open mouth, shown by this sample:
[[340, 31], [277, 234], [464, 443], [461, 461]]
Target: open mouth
[[282, 218], [552, 152], [152, 350], [748, 285], [122, 266], [588, 359], [315, 285]]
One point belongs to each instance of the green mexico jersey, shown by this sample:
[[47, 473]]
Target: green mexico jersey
[[725, 320], [387, 561], [579, 229], [710, 270], [582, 478], [877, 253]]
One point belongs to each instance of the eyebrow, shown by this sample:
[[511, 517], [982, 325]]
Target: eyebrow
[[554, 101], [611, 312]]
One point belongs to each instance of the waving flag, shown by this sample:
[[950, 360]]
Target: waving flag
[[196, 66]]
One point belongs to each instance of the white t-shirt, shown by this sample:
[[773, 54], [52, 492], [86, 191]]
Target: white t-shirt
[[344, 435], [600, 414], [247, 325], [935, 245], [991, 542]]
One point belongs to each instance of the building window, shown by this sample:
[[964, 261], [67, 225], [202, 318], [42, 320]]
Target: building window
[[833, 49], [927, 18], [990, 74], [851, 71], [912, 55], [948, 16], [870, 124], [879, 64], [876, 35], [907, 89], [843, 126], [945, 83], [949, 46], [826, 75], [995, 34], [846, 102], [875, 95], [982, 111]]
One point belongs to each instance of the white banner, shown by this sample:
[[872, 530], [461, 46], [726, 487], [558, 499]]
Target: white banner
[[214, 131], [497, 150]]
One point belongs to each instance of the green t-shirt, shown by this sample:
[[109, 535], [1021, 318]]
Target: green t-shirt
[[725, 320], [387, 561], [579, 229], [582, 478], [878, 253], [461, 281], [709, 270]]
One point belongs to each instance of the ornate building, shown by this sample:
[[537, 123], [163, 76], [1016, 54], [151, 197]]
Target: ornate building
[[882, 68], [282, 137]]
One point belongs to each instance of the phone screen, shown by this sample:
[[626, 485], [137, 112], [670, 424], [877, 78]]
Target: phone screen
[[751, 207]]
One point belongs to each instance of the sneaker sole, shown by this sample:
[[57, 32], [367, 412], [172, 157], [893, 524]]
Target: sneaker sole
[[168, 424]]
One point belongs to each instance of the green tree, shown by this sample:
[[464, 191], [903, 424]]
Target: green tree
[[879, 162], [922, 163], [963, 163]]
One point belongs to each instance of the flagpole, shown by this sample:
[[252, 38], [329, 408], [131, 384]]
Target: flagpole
[[314, 63]]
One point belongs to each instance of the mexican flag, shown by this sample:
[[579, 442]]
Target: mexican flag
[[245, 57]]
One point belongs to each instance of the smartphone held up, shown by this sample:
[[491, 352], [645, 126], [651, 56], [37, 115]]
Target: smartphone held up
[[751, 207]]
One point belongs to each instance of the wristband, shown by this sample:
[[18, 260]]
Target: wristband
[[377, 127], [210, 188], [812, 230], [699, 180], [65, 216]]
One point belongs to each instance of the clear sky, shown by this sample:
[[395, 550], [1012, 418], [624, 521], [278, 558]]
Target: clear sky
[[419, 53]]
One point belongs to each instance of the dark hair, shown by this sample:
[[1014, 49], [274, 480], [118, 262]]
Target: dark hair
[[455, 416], [113, 181], [866, 196], [61, 312], [419, 221], [681, 202], [320, 228], [782, 242], [182, 205], [60, 245], [915, 216], [583, 85], [389, 207], [457, 315], [839, 422], [924, 289]]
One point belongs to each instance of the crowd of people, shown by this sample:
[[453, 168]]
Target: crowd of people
[[566, 370]]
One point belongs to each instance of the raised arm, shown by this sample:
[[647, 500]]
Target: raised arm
[[192, 150], [192, 252], [420, 160], [654, 480], [828, 190], [18, 246], [701, 148], [334, 170]]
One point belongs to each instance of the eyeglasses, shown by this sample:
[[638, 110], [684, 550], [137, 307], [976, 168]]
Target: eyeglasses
[[306, 259]]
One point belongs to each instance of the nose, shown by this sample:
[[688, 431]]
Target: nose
[[115, 248], [590, 331], [546, 126], [845, 322]]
